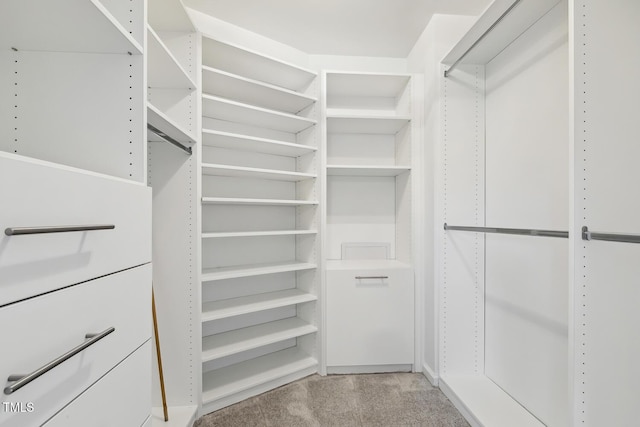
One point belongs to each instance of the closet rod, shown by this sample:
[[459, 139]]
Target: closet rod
[[168, 138], [610, 237], [447, 72], [518, 231]]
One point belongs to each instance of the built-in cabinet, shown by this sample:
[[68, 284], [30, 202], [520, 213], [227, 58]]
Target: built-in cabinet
[[369, 212], [75, 222], [260, 222]]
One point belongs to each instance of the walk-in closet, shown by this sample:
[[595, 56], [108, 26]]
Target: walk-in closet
[[204, 201]]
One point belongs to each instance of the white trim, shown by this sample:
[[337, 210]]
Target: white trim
[[433, 378]]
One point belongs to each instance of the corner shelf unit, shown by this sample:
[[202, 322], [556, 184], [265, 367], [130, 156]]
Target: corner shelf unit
[[259, 204], [369, 141]]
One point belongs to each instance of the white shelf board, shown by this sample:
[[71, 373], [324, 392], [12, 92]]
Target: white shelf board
[[257, 202], [234, 272], [164, 70], [213, 138], [228, 381], [357, 170], [231, 86], [221, 234], [162, 122], [487, 404], [63, 26], [246, 172], [366, 84], [238, 112], [366, 125], [179, 416], [253, 303], [516, 22], [253, 65], [169, 15], [365, 264], [233, 342]]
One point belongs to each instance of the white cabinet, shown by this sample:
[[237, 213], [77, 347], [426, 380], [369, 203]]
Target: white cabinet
[[75, 252], [369, 212], [370, 325]]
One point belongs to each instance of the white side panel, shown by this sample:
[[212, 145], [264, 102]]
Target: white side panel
[[172, 175], [606, 134], [462, 183], [526, 321]]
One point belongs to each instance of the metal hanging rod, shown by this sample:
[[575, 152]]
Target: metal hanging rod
[[169, 139], [518, 231], [447, 72], [20, 231], [610, 237]]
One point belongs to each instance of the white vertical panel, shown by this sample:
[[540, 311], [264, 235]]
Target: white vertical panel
[[606, 350], [172, 174], [527, 186], [462, 180]]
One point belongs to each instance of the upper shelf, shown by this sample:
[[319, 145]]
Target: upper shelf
[[164, 69], [366, 125], [234, 141], [359, 170], [63, 26], [366, 85], [169, 15], [232, 111], [500, 24], [257, 173], [247, 63], [232, 86]]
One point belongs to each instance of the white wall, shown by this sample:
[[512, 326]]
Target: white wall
[[442, 32]]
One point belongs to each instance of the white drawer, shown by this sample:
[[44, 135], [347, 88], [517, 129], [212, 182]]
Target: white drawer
[[36, 194], [119, 399], [370, 319], [39, 330]]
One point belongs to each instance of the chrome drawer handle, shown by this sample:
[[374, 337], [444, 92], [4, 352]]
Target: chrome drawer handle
[[17, 231], [20, 381], [372, 277]]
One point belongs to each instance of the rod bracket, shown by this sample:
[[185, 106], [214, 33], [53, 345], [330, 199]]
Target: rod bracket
[[586, 234]]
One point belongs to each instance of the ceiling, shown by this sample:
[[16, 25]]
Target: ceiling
[[338, 27]]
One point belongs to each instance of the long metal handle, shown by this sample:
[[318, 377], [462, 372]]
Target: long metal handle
[[23, 380], [610, 237], [495, 24], [372, 277], [169, 139], [19, 231], [518, 231]]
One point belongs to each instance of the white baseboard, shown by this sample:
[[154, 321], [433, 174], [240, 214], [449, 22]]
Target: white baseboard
[[433, 378]]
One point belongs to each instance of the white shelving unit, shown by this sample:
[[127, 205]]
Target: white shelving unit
[[259, 223], [369, 214], [172, 113], [499, 294]]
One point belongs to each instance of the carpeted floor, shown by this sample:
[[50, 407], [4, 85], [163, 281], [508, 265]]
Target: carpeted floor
[[384, 400]]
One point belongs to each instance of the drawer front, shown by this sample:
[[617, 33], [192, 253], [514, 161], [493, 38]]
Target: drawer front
[[119, 399], [370, 320], [37, 195], [40, 330]]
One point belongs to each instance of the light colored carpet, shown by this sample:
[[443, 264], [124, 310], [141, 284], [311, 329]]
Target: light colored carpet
[[384, 400]]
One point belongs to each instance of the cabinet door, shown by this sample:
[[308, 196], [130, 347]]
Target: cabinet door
[[370, 320]]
